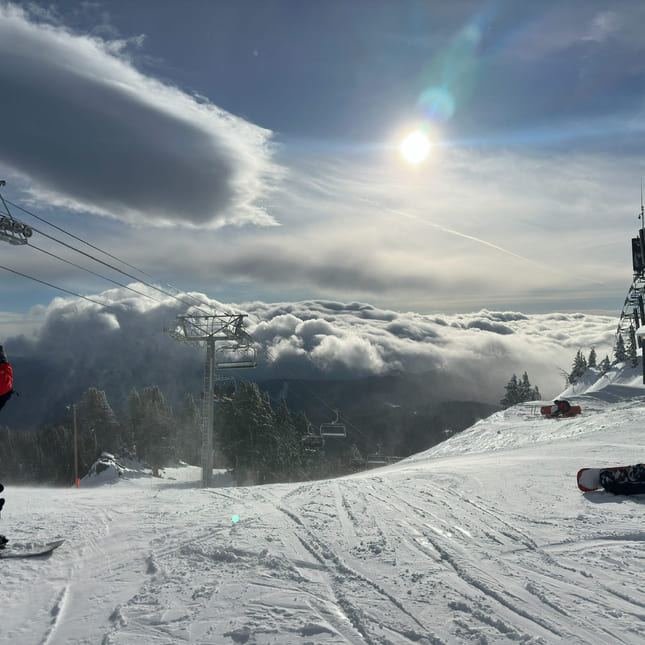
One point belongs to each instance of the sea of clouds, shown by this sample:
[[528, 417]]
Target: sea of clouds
[[317, 339]]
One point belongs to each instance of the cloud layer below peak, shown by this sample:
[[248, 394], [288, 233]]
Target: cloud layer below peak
[[464, 356]]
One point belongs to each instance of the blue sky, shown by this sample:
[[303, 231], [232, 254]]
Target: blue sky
[[249, 150]]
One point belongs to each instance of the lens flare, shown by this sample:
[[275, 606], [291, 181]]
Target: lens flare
[[437, 104], [235, 519]]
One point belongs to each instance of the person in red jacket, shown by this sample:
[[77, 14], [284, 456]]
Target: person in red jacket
[[6, 378], [560, 407]]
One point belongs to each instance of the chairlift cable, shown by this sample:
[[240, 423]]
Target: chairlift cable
[[110, 266], [78, 266], [110, 255], [80, 239], [49, 284]]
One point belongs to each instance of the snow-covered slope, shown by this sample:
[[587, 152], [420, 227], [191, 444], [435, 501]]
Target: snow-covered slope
[[620, 382], [482, 539]]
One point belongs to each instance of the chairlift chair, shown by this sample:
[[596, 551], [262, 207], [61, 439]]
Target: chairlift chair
[[235, 356], [312, 442], [224, 389], [333, 428]]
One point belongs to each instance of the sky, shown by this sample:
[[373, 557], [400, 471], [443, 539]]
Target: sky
[[249, 152], [484, 538]]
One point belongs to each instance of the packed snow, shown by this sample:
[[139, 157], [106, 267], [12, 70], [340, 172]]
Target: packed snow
[[484, 538]]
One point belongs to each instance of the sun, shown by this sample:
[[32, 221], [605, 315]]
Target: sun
[[415, 147]]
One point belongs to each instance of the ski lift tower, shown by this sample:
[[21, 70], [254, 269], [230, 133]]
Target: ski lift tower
[[227, 346], [11, 230], [631, 326]]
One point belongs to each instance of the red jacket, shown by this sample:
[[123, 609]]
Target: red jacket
[[6, 378]]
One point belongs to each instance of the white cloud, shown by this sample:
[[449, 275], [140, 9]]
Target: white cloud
[[462, 356], [91, 133]]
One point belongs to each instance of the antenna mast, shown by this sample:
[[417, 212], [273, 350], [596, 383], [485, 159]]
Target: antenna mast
[[642, 215]]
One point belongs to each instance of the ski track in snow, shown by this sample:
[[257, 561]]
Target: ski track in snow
[[483, 539]]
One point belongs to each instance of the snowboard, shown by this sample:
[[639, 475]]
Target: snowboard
[[575, 409], [625, 482], [589, 479], [29, 550]]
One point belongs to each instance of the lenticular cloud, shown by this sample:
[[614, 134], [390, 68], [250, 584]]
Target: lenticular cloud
[[92, 133]]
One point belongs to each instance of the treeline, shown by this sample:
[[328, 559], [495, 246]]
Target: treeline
[[150, 431], [520, 390], [258, 443]]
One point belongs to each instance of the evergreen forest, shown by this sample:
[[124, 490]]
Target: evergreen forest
[[258, 442]]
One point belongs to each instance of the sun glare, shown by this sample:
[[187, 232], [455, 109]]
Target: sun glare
[[415, 147]]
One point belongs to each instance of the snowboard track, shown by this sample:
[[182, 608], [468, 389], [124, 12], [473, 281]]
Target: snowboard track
[[342, 575], [440, 542]]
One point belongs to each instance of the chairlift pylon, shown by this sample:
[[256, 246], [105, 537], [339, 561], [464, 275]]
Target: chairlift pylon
[[12, 230]]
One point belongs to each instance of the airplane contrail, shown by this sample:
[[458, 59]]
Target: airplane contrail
[[478, 240]]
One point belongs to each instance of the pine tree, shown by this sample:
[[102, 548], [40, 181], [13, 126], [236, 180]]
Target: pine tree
[[154, 428], [301, 425], [134, 421], [259, 444], [189, 431], [288, 462], [525, 392], [519, 391], [605, 365], [55, 449], [620, 353], [268, 444], [236, 428], [633, 348], [591, 361], [512, 393], [96, 420], [579, 368]]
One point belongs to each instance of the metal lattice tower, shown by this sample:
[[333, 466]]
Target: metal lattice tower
[[632, 316], [228, 345]]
